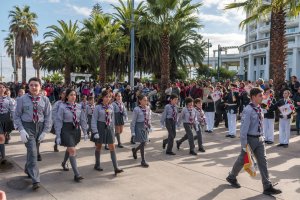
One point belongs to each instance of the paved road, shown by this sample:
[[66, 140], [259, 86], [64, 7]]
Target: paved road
[[182, 176]]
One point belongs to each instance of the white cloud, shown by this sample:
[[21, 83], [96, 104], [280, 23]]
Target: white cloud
[[213, 18], [116, 1], [54, 1], [85, 11]]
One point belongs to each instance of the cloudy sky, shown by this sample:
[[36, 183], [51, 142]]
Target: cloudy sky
[[220, 26]]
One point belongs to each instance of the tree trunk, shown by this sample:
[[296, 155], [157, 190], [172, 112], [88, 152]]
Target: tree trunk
[[38, 73], [278, 50], [165, 63], [67, 74], [173, 70], [24, 69], [102, 65]]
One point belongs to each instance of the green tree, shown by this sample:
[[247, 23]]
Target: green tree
[[38, 56], [23, 25], [9, 45]]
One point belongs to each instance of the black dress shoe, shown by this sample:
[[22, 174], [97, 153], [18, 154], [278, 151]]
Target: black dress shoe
[[171, 153], [98, 168], [178, 144], [55, 148], [120, 146], [233, 182], [134, 153], [285, 145], [118, 171], [39, 157], [232, 136], [201, 149], [144, 164], [269, 142], [132, 140], [78, 178], [3, 161], [193, 153], [164, 145], [271, 190], [65, 166], [227, 135], [206, 131], [36, 186], [280, 145]]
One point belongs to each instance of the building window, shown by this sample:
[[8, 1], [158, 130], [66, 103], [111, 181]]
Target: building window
[[267, 35], [263, 61], [262, 74], [267, 23], [254, 61], [254, 75]]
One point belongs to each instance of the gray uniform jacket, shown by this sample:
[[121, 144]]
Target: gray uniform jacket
[[55, 109], [64, 114], [138, 116], [24, 112], [117, 109], [8, 106], [249, 124], [185, 116], [99, 115], [89, 109], [168, 114]]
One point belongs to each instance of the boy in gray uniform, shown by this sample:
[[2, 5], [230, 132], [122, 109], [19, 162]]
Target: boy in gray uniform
[[251, 133], [33, 120]]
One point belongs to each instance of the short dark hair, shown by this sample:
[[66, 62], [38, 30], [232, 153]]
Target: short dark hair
[[255, 91], [198, 100], [188, 100], [35, 79], [173, 96]]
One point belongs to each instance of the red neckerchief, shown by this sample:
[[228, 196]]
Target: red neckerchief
[[146, 117], [107, 114], [35, 101], [260, 116], [72, 108]]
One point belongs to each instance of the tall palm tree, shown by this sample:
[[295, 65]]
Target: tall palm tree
[[23, 25], [38, 55], [162, 16], [9, 45], [106, 36], [63, 51], [278, 10]]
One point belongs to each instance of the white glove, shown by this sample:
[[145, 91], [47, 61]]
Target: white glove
[[42, 136], [58, 141], [162, 127], [86, 137], [24, 136], [96, 136]]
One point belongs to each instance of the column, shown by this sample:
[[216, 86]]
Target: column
[[267, 66], [250, 68]]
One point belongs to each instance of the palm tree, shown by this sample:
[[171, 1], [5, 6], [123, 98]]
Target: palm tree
[[38, 55], [23, 25], [9, 45], [279, 10], [105, 35], [63, 51], [162, 16]]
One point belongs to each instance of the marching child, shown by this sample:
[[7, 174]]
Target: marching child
[[210, 110], [90, 107]]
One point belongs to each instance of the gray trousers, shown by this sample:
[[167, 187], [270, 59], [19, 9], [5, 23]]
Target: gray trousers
[[188, 135], [34, 131], [171, 127], [259, 151]]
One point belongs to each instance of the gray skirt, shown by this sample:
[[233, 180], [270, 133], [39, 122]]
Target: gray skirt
[[106, 134], [141, 133], [70, 136], [6, 124], [119, 119], [34, 130], [89, 123]]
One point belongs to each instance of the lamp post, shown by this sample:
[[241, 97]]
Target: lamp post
[[132, 46], [219, 50], [14, 59], [208, 46]]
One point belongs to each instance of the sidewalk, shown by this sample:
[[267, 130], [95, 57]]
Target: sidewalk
[[182, 176]]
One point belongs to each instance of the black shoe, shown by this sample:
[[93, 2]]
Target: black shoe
[[118, 171], [65, 166], [171, 153], [3, 161], [78, 178], [132, 140], [271, 190], [209, 131], [106, 147], [164, 145], [201, 149], [232, 136], [193, 153], [206, 131], [120, 146], [98, 168], [227, 135], [178, 144], [55, 149], [144, 164], [280, 145], [269, 142], [39, 157], [285, 145], [134, 153], [36, 186], [233, 182]]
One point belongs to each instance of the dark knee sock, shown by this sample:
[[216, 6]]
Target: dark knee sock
[[118, 138], [74, 165], [114, 159], [38, 148], [138, 148], [97, 158], [66, 157], [143, 151], [2, 150]]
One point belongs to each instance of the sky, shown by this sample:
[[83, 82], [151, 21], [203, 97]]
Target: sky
[[220, 27]]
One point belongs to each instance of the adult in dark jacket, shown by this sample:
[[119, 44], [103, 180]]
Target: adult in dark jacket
[[296, 99]]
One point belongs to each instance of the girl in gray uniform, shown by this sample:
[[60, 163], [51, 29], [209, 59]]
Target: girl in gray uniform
[[6, 126], [9, 123], [140, 127], [90, 107], [120, 116], [33, 120], [54, 114], [70, 118], [103, 130]]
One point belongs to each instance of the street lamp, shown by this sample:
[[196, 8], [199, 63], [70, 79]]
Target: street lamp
[[208, 46], [14, 60], [132, 46], [219, 50]]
